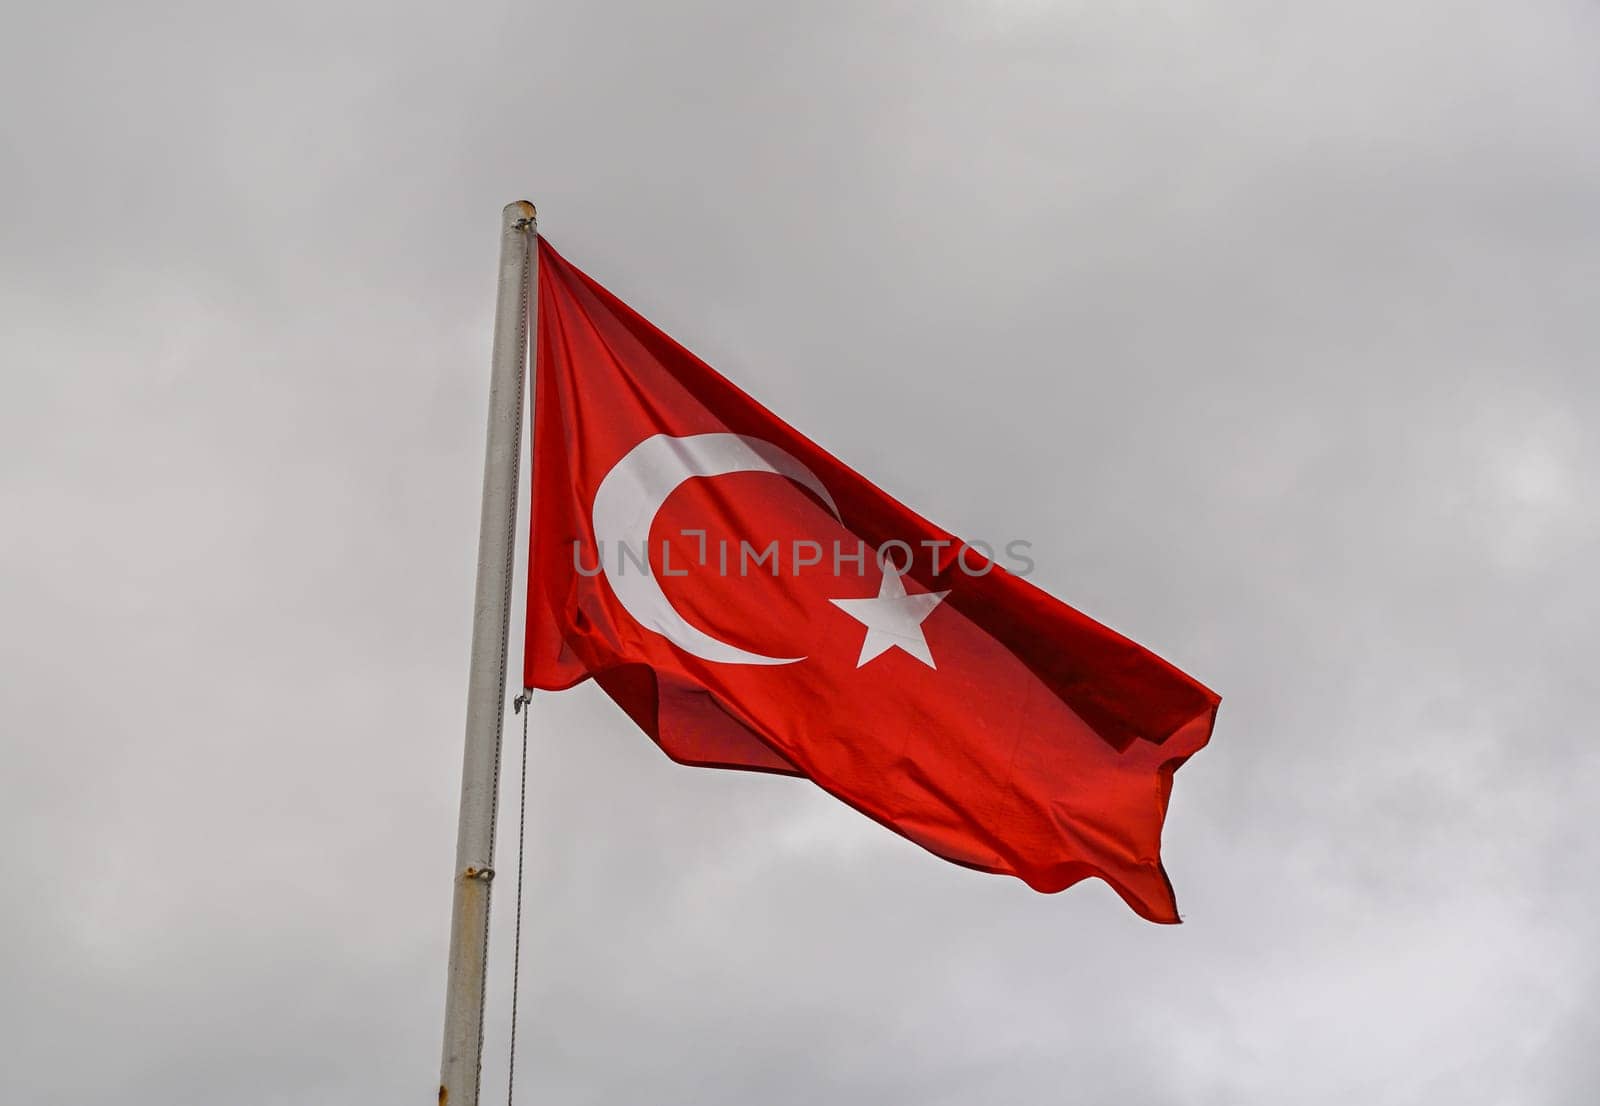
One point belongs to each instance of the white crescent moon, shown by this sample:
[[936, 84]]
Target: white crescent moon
[[630, 496]]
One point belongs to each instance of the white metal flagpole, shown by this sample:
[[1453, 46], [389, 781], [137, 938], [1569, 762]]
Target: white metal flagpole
[[486, 683]]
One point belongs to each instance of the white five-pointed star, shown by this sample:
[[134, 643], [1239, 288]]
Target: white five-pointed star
[[894, 619]]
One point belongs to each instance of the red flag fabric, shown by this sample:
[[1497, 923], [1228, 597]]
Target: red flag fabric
[[751, 602]]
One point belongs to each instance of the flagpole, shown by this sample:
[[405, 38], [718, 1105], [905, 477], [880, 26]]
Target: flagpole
[[486, 681]]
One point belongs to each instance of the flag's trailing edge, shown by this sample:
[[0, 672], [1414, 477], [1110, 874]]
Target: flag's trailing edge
[[972, 713]]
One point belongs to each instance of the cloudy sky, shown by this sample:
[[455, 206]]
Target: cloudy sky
[[1272, 326]]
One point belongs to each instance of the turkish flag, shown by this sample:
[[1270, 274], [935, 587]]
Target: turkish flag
[[752, 602]]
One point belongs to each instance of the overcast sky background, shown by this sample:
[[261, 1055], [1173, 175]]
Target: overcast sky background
[[1274, 327]]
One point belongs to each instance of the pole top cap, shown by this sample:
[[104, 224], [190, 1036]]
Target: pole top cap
[[518, 212]]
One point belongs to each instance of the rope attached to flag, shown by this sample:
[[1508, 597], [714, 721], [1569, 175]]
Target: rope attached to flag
[[518, 705]]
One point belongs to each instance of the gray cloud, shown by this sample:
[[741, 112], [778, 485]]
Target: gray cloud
[[1271, 327]]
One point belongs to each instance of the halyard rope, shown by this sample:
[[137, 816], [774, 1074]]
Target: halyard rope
[[520, 705]]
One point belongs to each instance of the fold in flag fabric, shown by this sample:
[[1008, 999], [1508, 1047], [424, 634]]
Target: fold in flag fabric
[[752, 602]]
